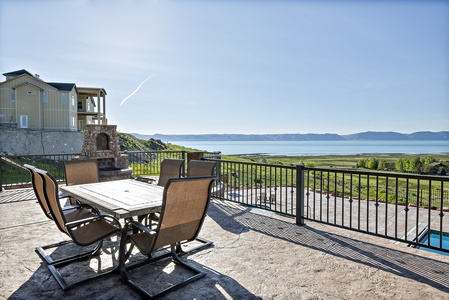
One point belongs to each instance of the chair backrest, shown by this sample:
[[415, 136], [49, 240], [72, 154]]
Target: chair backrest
[[81, 171], [38, 187], [184, 208], [52, 199], [170, 168], [200, 168]]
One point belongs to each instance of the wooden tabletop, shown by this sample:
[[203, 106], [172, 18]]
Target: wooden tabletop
[[120, 198]]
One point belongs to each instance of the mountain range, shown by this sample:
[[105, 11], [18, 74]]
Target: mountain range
[[368, 136]]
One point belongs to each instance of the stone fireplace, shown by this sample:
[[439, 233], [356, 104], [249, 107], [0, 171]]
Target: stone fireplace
[[101, 142]]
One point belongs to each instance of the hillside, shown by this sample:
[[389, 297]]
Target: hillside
[[130, 143]]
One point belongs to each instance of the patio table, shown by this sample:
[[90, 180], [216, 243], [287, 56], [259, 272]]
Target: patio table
[[121, 198]]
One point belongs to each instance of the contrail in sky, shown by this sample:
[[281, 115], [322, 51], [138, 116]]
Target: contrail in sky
[[135, 91]]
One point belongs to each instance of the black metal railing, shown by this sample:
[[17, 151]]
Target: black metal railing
[[147, 163], [14, 175], [402, 207], [143, 163], [271, 187]]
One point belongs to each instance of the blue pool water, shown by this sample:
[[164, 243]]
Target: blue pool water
[[435, 241]]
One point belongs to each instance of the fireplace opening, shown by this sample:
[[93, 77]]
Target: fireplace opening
[[102, 141]]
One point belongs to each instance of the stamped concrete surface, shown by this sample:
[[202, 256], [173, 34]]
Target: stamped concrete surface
[[255, 255]]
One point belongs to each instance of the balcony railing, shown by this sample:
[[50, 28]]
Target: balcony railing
[[402, 207], [143, 163], [147, 163]]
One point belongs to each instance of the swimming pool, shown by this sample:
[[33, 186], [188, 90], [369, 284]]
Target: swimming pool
[[435, 241]]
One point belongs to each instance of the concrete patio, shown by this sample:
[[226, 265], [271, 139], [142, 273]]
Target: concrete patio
[[256, 255]]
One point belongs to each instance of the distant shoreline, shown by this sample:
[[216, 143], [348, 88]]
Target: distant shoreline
[[318, 148], [362, 136]]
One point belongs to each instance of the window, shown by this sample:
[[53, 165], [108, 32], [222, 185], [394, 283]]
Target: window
[[73, 121], [23, 121], [73, 100], [80, 105], [64, 98], [13, 95], [44, 97]]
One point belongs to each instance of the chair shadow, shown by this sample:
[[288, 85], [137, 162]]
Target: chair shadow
[[422, 269], [161, 274], [42, 285]]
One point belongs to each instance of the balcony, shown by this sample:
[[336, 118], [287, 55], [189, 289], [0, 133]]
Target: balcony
[[353, 243], [256, 254]]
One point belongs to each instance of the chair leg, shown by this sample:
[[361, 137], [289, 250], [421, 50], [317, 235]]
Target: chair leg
[[198, 273], [204, 243], [63, 284], [62, 262], [146, 295], [49, 260]]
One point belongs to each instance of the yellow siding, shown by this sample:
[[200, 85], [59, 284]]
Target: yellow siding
[[7, 106], [46, 106], [28, 103]]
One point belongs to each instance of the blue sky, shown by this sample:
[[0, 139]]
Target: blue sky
[[248, 67]]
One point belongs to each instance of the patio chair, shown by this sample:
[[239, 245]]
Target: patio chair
[[184, 207], [82, 231], [80, 211], [201, 168], [81, 172], [170, 168]]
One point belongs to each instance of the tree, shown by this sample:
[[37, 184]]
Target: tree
[[382, 164], [400, 164], [362, 163], [429, 160], [413, 165], [372, 163]]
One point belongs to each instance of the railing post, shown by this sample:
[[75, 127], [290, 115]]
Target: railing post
[[1, 184], [183, 169], [300, 194]]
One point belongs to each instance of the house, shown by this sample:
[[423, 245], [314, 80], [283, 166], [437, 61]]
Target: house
[[26, 101], [436, 168]]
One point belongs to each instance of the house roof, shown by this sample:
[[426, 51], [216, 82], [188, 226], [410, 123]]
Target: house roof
[[17, 73], [62, 86], [91, 91], [27, 83]]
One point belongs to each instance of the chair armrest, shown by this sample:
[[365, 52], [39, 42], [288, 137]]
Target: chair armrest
[[81, 205], [140, 226], [91, 219]]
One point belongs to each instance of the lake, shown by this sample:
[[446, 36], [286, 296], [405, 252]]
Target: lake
[[315, 148]]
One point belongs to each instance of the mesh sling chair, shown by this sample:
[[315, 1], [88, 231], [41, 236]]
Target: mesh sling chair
[[200, 168], [82, 231], [170, 168], [81, 172], [72, 213], [184, 207]]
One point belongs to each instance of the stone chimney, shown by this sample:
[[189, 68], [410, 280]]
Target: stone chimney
[[101, 142]]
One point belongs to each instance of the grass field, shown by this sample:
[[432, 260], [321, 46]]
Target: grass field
[[332, 161], [326, 161]]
